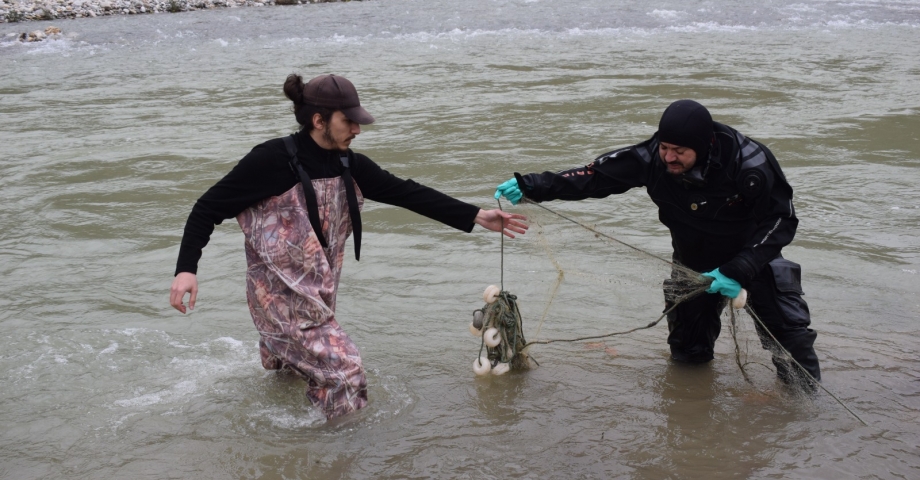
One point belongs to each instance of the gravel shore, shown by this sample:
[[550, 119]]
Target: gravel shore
[[21, 11]]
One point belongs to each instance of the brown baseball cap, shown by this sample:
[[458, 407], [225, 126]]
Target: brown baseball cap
[[333, 91]]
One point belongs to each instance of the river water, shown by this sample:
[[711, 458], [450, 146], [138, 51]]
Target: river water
[[110, 133]]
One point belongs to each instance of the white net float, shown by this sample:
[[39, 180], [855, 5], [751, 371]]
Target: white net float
[[491, 294], [740, 301], [475, 331], [481, 366], [501, 368], [492, 337]]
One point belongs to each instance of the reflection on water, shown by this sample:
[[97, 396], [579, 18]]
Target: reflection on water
[[110, 134]]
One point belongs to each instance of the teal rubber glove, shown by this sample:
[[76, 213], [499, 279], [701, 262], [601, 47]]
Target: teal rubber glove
[[722, 284], [510, 190]]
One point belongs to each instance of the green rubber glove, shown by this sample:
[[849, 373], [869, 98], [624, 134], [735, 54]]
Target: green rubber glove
[[722, 284], [510, 191]]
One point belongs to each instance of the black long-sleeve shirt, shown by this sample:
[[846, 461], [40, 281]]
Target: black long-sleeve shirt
[[265, 172], [733, 211]]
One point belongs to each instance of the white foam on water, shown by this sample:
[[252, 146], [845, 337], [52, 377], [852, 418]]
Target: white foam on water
[[394, 398], [799, 7], [665, 14], [347, 40], [231, 342], [703, 27], [213, 362], [179, 373], [283, 418], [110, 349], [55, 46], [458, 35], [141, 401], [131, 332], [179, 391]]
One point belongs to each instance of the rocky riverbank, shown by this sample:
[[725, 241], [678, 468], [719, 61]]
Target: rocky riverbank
[[21, 11]]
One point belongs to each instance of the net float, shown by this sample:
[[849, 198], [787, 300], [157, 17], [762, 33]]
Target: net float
[[492, 337], [491, 294], [481, 366], [740, 301], [475, 331], [501, 369], [477, 319]]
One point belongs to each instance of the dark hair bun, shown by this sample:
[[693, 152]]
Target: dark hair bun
[[293, 89]]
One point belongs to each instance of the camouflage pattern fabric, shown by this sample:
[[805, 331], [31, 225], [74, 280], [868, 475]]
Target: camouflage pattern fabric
[[291, 285]]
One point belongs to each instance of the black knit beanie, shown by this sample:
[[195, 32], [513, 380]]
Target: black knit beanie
[[688, 124]]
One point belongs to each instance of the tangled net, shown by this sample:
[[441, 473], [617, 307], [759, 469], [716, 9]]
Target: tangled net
[[499, 326]]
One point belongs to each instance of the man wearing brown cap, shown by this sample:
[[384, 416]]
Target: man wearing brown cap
[[729, 208], [297, 199]]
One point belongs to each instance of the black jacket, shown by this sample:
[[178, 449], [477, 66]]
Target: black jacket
[[265, 172], [732, 211]]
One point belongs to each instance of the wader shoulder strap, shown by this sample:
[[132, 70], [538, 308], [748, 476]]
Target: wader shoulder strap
[[308, 193], [352, 197]]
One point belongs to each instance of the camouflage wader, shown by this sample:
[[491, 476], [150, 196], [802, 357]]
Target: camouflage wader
[[291, 285]]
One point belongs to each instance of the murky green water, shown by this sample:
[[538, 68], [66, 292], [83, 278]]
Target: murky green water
[[109, 135]]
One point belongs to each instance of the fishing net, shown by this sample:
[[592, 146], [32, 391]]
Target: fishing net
[[615, 281], [592, 275], [584, 271], [500, 328]]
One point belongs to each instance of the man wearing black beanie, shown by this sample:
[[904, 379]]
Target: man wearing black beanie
[[729, 208], [688, 124]]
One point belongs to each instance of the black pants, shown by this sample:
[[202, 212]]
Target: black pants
[[775, 294]]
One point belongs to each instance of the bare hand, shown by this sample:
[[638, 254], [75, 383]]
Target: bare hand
[[184, 282], [500, 221]]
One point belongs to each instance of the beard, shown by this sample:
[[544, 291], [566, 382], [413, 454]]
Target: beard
[[327, 136], [675, 174]]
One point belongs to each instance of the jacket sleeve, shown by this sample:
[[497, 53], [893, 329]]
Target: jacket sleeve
[[611, 173], [775, 219], [262, 173], [382, 186]]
